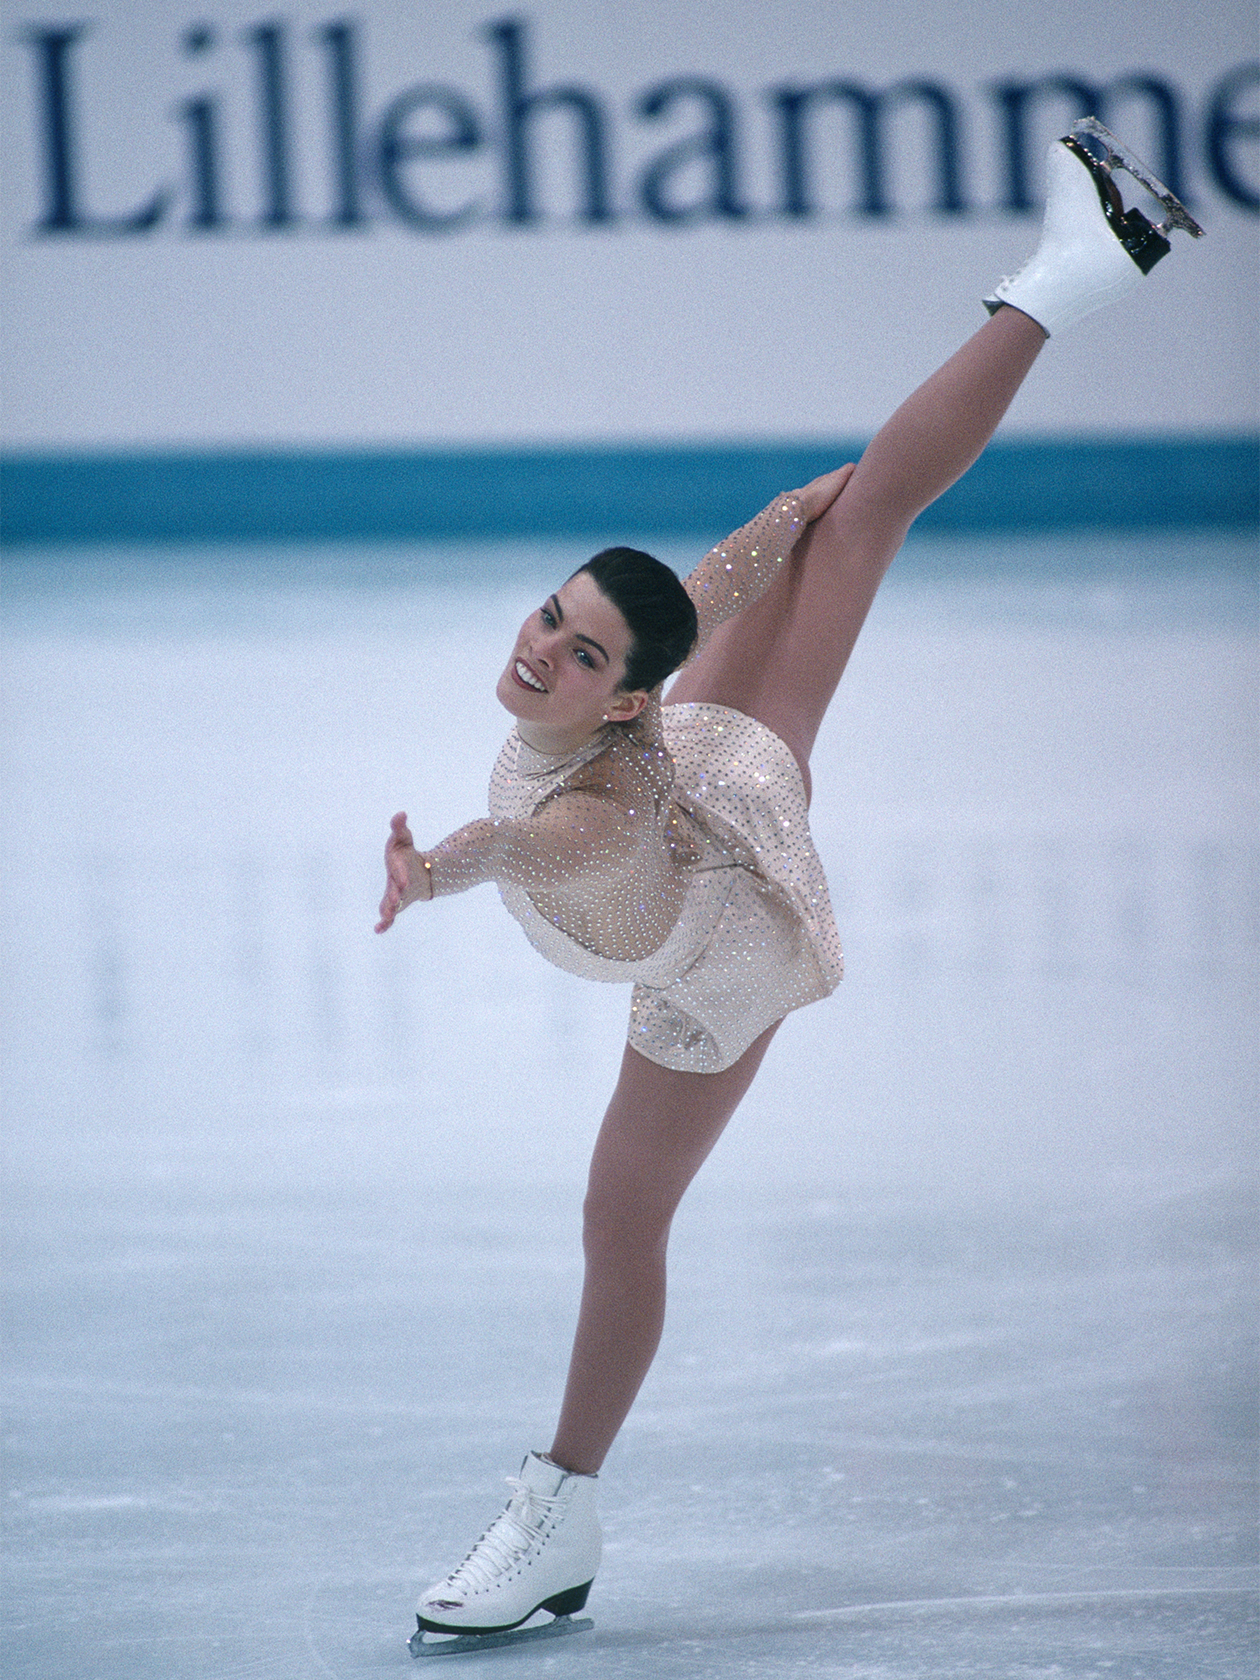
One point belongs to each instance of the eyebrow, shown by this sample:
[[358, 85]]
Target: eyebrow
[[554, 603]]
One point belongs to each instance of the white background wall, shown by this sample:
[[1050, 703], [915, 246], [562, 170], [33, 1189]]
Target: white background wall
[[380, 334]]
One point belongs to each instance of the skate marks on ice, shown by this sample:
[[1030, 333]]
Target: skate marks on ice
[[1181, 1605], [179, 1525], [1139, 1633], [1157, 1634]]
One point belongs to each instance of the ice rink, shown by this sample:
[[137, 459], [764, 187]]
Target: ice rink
[[959, 1373]]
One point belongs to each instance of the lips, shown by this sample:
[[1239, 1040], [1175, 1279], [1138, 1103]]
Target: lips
[[525, 678]]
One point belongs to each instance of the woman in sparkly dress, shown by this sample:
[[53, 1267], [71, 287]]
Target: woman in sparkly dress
[[662, 839]]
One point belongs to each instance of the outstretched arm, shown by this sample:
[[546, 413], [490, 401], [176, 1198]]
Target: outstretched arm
[[570, 841]]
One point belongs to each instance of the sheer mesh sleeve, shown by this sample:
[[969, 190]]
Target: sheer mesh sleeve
[[578, 839], [740, 570]]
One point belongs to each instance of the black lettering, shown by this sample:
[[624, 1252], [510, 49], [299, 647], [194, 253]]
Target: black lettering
[[53, 45], [63, 213], [344, 120], [520, 107], [697, 177], [714, 144], [203, 162], [1018, 100], [203, 147], [1015, 99], [273, 124], [1165, 158], [1225, 125], [868, 107], [461, 133]]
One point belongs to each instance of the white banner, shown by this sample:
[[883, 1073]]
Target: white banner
[[575, 224]]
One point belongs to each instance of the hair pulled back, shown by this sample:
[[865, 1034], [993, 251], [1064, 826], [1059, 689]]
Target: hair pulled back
[[655, 606]]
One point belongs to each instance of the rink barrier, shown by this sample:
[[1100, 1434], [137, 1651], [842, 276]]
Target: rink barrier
[[1158, 484]]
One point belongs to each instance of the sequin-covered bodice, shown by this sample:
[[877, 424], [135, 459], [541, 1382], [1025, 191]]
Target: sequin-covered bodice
[[673, 851], [626, 922]]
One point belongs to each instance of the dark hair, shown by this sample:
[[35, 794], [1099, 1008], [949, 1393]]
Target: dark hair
[[655, 606]]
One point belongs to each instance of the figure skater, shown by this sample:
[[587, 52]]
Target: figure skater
[[666, 843]]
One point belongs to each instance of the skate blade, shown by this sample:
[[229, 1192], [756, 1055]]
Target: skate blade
[[1120, 157], [454, 1645]]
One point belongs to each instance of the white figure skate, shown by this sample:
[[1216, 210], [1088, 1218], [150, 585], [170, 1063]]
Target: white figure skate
[[1092, 249], [541, 1554]]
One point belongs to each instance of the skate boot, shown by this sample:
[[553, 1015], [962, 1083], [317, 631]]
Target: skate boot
[[541, 1554], [1092, 249]]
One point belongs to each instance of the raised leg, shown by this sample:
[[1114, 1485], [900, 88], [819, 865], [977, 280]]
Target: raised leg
[[659, 1128], [780, 661]]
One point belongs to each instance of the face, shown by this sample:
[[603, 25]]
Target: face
[[562, 681]]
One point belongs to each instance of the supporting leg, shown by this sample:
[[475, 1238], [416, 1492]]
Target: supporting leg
[[658, 1130]]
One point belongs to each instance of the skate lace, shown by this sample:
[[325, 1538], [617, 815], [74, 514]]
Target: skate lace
[[506, 1541]]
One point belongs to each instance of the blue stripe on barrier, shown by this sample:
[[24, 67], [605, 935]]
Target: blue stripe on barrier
[[1111, 484]]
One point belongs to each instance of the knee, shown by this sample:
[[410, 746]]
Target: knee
[[622, 1227]]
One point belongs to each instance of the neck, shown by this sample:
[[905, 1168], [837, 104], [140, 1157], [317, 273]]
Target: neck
[[555, 743]]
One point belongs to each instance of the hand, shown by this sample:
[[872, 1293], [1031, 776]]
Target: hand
[[817, 496], [404, 868]]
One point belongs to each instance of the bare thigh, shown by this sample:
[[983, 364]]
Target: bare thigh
[[781, 660], [659, 1128]]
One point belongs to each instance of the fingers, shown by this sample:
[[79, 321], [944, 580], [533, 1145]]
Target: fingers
[[818, 495], [831, 486], [396, 874], [391, 904], [395, 891]]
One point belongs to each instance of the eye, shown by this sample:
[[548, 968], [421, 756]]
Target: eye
[[548, 617], [584, 658]]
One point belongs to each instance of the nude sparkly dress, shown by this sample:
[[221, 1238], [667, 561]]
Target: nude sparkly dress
[[673, 852]]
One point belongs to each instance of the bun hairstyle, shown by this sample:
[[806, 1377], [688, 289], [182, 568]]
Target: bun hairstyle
[[655, 606]]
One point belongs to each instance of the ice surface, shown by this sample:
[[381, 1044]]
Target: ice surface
[[959, 1372]]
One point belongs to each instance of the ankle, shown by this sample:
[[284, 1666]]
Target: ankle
[[571, 1464]]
